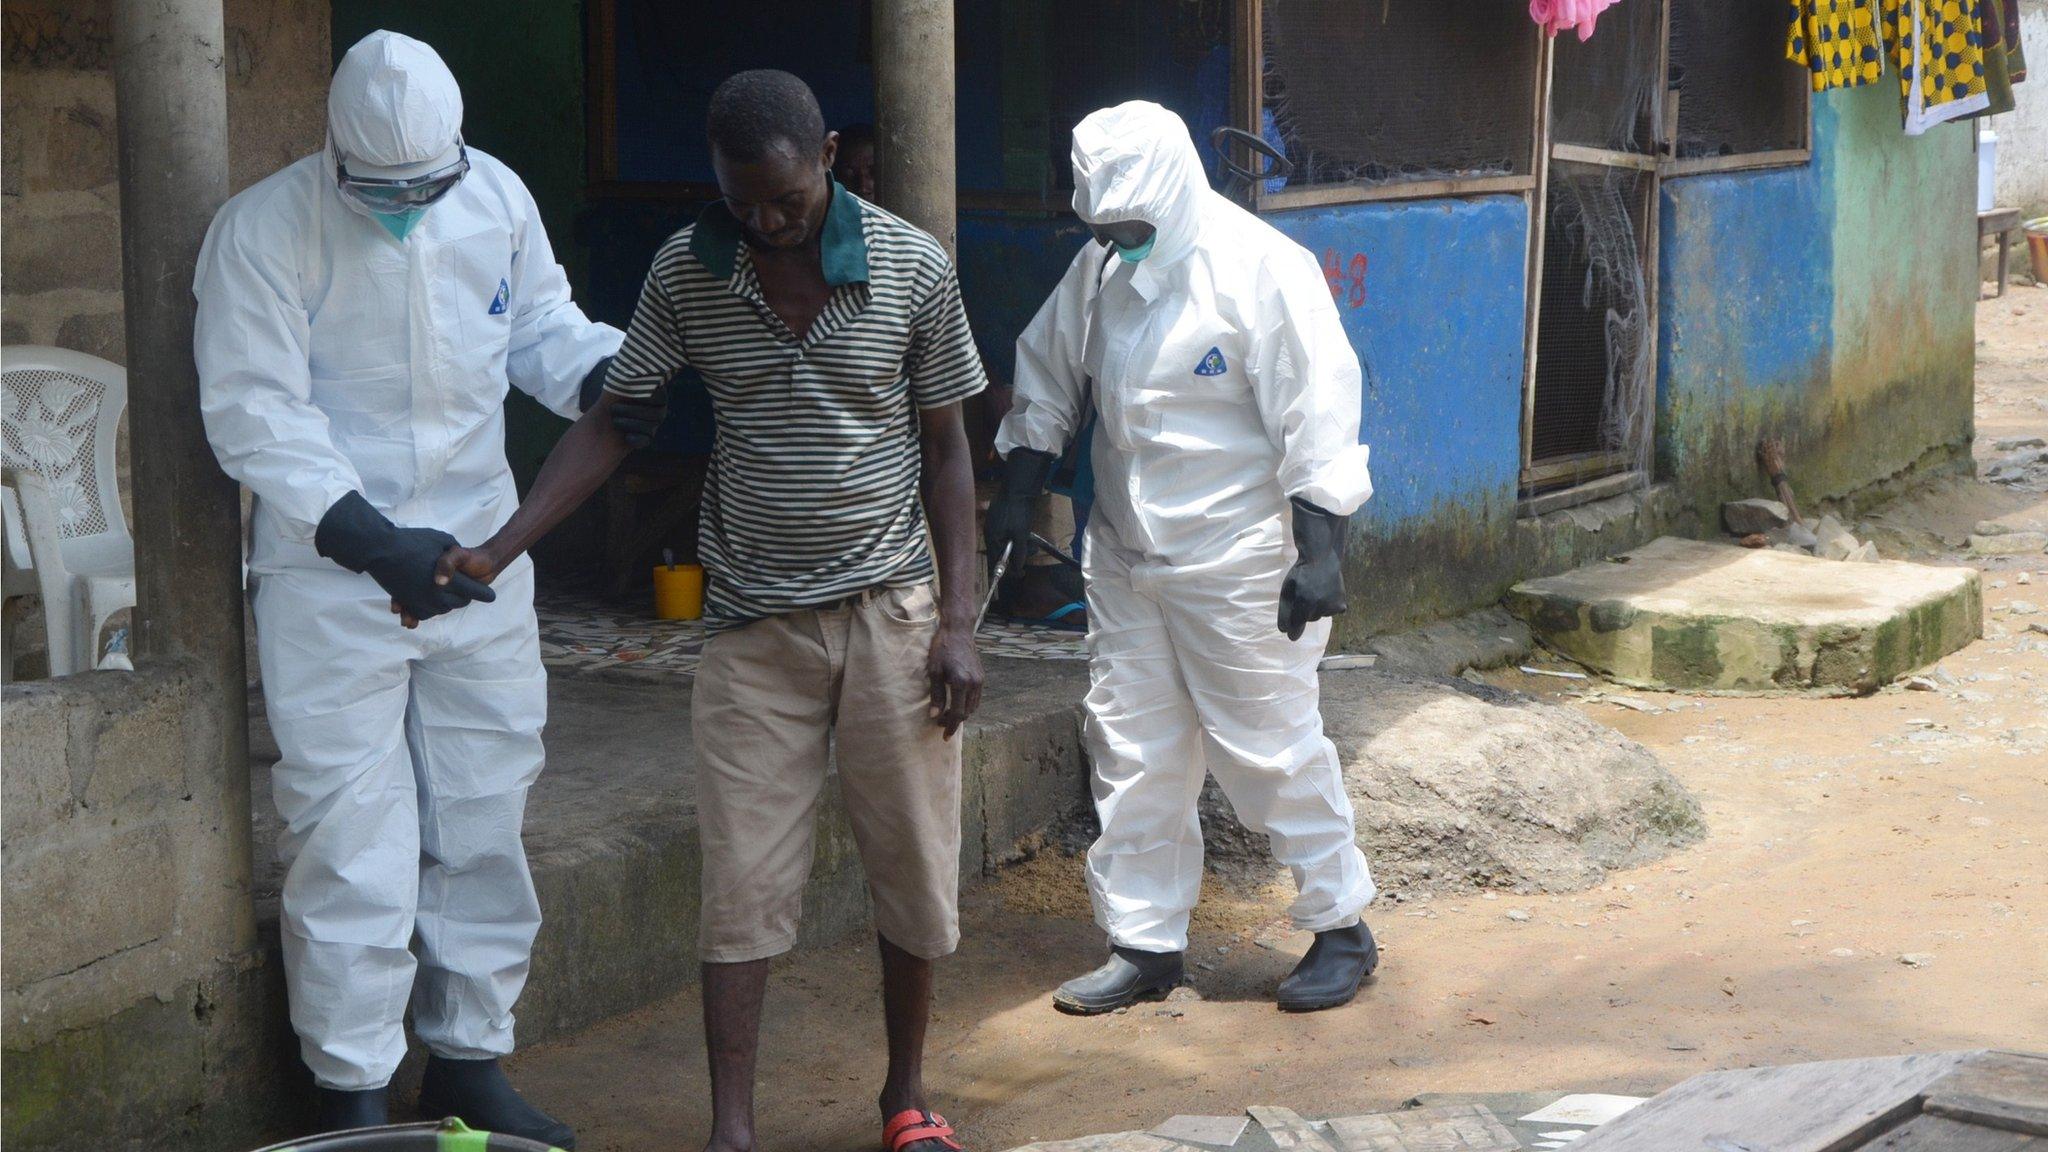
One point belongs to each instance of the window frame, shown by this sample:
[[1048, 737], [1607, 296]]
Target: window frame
[[1248, 83]]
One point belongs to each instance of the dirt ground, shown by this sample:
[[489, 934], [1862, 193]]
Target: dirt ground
[[1845, 835]]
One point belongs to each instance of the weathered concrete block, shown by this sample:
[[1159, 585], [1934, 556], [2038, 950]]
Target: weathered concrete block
[[130, 746], [102, 334], [78, 151], [1716, 618], [75, 903], [2009, 544], [1743, 517], [37, 773], [78, 250]]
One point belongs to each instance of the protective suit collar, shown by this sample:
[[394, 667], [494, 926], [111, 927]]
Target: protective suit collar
[[1136, 161]]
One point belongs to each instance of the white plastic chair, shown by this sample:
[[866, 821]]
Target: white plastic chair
[[17, 569], [61, 412]]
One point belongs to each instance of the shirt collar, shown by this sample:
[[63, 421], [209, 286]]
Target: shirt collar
[[842, 241]]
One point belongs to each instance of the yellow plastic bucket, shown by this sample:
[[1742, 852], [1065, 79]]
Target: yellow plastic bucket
[[679, 591]]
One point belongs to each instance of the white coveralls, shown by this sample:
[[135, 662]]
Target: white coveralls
[[1224, 384], [332, 359]]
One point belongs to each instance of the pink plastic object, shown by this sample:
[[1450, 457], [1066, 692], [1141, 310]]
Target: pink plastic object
[[1557, 15]]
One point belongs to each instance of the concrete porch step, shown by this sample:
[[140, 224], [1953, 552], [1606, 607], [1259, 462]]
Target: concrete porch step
[[611, 830], [1692, 616]]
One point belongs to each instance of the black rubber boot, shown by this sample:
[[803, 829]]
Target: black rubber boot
[[478, 1092], [1330, 974], [341, 1111], [1128, 977]]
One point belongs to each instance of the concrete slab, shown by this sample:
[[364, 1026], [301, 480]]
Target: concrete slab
[[611, 829], [1686, 615]]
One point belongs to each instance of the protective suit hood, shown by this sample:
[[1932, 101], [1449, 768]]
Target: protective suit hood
[[1136, 161], [394, 110]]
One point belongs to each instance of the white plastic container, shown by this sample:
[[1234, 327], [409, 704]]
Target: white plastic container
[[1987, 167]]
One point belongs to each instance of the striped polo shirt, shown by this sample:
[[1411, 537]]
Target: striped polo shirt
[[813, 491]]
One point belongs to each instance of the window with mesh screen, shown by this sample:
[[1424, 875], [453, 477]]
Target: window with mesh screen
[[1736, 93], [1603, 90], [1375, 92], [1029, 70], [1593, 353]]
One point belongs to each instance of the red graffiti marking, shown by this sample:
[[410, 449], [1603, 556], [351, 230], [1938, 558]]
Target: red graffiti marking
[[1345, 278]]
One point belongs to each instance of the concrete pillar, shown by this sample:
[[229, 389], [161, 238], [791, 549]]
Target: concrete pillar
[[170, 90], [914, 154]]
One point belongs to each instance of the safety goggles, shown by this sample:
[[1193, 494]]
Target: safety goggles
[[403, 195]]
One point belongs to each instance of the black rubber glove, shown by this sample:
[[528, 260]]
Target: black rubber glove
[[401, 560], [593, 385], [1009, 514], [639, 419], [635, 419], [1315, 585]]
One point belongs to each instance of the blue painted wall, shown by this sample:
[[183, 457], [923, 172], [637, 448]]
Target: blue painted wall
[[1424, 307], [1747, 303], [1829, 305], [1437, 324]]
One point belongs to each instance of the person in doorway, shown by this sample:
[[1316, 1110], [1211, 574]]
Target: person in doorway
[[833, 342], [1227, 461], [854, 166], [361, 313]]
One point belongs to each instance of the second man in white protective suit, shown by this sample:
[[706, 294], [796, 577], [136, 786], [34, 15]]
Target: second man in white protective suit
[[1225, 398]]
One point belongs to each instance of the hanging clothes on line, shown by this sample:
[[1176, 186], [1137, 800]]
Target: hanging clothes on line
[[1557, 15], [1838, 41], [1938, 48], [2004, 64]]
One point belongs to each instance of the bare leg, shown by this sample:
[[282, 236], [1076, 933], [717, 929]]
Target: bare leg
[[906, 1010], [732, 1039]]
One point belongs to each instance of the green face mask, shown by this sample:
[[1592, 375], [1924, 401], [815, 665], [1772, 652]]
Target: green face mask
[[1133, 255], [399, 223]]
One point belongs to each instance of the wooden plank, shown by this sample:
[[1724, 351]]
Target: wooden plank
[[1835, 1106], [1248, 80], [1937, 1134], [1531, 507], [1324, 194], [1603, 157], [1580, 466], [1997, 220], [1539, 207], [1643, 451], [1999, 1090], [1741, 161]]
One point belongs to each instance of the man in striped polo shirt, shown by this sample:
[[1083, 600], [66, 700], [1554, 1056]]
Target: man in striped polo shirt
[[837, 353]]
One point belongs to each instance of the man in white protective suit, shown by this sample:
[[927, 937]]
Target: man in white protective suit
[[1225, 449], [361, 313]]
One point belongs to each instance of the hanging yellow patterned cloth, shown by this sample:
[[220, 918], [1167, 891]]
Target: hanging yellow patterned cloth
[[1938, 48], [1838, 41]]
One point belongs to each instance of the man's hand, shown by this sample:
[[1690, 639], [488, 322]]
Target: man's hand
[[468, 571], [955, 671], [403, 561], [1314, 587]]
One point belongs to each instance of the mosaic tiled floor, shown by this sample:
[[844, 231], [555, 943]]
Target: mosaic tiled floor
[[585, 633]]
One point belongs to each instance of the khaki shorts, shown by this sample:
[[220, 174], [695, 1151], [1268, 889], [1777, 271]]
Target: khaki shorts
[[765, 705]]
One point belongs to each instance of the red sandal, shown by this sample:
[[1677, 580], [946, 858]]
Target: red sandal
[[908, 1127]]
